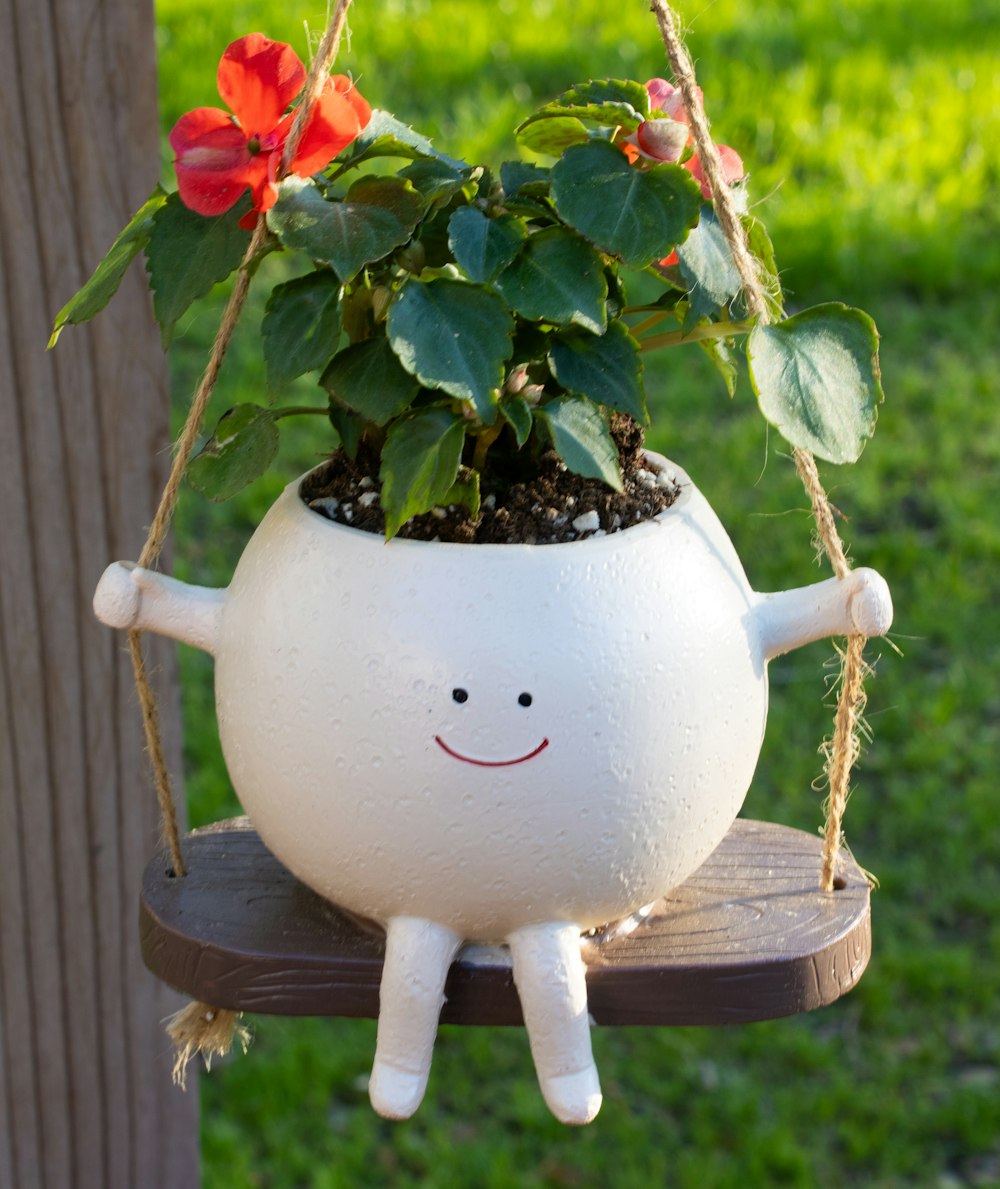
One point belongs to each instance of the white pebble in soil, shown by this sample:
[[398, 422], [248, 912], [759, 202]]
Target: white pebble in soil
[[366, 482], [587, 522], [328, 504], [369, 498]]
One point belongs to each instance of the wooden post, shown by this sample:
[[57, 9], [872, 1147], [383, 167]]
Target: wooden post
[[85, 1093]]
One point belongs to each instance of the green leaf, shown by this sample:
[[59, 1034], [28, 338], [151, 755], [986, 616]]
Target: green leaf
[[601, 115], [482, 247], [707, 265], [816, 376], [557, 278], [606, 368], [581, 439], [466, 490], [552, 134], [455, 336], [350, 428], [187, 254], [435, 179], [634, 214], [369, 379], [723, 354], [301, 327], [759, 243], [377, 215], [241, 449], [385, 136], [517, 413], [618, 92], [605, 103], [103, 283], [692, 316], [526, 189], [516, 176], [420, 461], [617, 295]]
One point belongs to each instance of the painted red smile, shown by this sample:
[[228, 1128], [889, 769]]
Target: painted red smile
[[489, 763]]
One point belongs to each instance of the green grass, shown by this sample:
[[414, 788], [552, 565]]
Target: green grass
[[872, 131]]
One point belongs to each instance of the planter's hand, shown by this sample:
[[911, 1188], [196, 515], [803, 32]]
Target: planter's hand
[[859, 604], [869, 603], [130, 597]]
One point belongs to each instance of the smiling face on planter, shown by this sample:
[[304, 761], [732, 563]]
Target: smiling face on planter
[[490, 736]]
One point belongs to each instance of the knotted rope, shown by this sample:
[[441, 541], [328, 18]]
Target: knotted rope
[[842, 750], [200, 1028]]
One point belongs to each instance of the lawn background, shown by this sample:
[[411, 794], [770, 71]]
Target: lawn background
[[871, 129]]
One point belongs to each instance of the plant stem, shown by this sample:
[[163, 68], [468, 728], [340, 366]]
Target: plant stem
[[484, 441], [654, 319], [714, 330]]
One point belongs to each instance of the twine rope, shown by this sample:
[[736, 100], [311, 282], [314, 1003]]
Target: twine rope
[[319, 69], [840, 752], [157, 536], [200, 1028], [163, 517]]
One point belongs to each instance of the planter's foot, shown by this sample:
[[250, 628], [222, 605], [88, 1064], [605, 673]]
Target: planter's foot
[[394, 1093], [418, 954], [573, 1097], [551, 984]]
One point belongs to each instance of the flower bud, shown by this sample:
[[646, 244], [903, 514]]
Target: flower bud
[[517, 379], [667, 99], [662, 140]]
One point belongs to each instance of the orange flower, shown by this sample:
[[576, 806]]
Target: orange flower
[[218, 154]]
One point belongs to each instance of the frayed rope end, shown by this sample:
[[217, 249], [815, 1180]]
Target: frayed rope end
[[210, 1031]]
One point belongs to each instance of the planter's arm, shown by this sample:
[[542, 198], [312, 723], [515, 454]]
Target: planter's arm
[[859, 604], [130, 597]]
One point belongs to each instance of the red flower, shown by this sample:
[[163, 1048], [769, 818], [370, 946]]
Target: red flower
[[219, 155], [732, 168], [667, 99], [665, 136]]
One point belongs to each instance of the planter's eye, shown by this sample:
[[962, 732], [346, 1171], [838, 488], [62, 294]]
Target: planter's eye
[[524, 700], [460, 695]]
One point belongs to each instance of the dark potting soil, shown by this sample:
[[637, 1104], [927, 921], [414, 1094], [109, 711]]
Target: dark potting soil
[[549, 505]]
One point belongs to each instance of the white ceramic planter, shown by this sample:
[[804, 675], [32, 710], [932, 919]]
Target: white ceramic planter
[[491, 742]]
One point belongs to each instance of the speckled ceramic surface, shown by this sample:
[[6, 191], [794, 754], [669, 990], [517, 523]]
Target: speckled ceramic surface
[[492, 742]]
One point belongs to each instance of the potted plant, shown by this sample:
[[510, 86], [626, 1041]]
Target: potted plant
[[492, 672]]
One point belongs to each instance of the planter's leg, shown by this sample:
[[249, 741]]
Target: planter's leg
[[551, 983], [418, 954]]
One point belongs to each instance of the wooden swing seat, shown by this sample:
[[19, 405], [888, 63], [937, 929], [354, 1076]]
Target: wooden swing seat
[[748, 937]]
